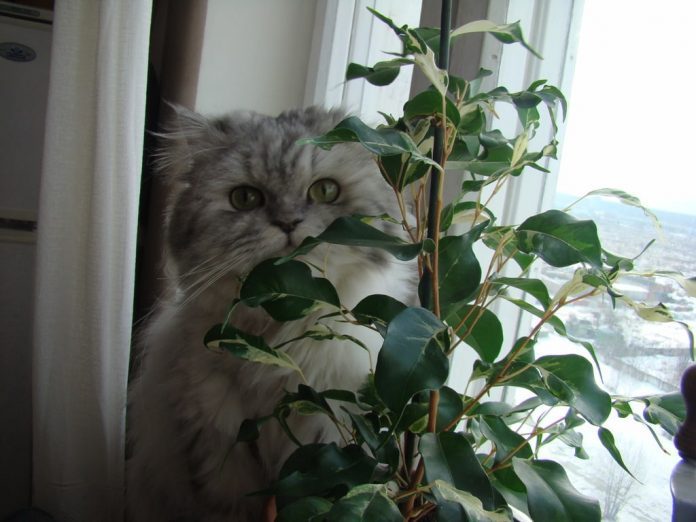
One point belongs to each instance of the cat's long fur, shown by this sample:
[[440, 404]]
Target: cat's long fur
[[187, 403]]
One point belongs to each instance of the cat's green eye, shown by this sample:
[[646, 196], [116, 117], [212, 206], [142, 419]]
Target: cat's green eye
[[246, 198], [324, 191]]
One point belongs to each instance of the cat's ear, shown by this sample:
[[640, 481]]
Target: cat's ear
[[188, 137]]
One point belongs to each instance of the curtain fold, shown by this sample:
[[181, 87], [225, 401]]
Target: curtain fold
[[86, 256]]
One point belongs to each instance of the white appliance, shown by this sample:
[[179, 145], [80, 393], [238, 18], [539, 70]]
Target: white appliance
[[25, 53]]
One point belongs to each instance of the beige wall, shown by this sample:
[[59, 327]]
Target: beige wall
[[255, 55], [215, 56]]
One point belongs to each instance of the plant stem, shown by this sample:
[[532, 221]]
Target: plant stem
[[502, 373], [500, 377], [415, 480]]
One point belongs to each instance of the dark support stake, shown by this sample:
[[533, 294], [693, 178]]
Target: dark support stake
[[685, 440], [683, 481], [433, 233], [438, 148]]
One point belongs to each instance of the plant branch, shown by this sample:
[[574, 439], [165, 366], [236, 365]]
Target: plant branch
[[499, 377]]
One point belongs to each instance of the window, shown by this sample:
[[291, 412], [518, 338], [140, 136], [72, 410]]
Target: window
[[618, 135], [628, 128]]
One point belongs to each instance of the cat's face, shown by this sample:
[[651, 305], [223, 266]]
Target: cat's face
[[250, 192]]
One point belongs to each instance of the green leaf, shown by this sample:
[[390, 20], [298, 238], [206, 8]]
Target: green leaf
[[658, 313], [366, 503], [687, 283], [306, 509], [249, 347], [497, 144], [415, 415], [473, 185], [492, 169], [288, 291], [449, 457], [377, 308], [482, 330], [321, 470], [429, 35], [525, 99], [383, 445], [557, 324], [529, 378], [381, 74], [624, 198], [551, 95], [551, 496], [344, 396], [365, 429], [606, 437], [475, 84], [429, 103], [495, 235], [459, 270], [449, 408], [412, 358], [354, 231], [668, 411], [534, 287], [423, 56], [323, 332], [465, 212], [471, 125], [519, 149], [426, 62], [249, 429], [383, 141], [529, 117], [508, 484], [570, 438], [571, 379], [414, 418], [306, 401], [472, 509], [394, 169], [622, 408], [497, 408], [367, 394], [505, 440], [399, 31], [508, 33], [560, 239]]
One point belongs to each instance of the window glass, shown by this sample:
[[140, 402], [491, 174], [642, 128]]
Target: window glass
[[630, 127]]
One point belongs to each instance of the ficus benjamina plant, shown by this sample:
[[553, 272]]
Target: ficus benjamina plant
[[415, 448]]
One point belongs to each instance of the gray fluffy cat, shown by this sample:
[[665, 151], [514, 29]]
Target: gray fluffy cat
[[245, 191]]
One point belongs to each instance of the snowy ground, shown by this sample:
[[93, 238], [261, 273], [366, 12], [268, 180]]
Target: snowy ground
[[646, 499]]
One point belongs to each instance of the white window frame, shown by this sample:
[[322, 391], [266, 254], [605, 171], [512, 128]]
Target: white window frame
[[552, 28], [344, 32]]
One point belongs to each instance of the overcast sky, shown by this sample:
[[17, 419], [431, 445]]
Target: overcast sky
[[632, 116]]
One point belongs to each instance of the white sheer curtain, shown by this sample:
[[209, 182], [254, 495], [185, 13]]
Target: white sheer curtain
[[86, 255]]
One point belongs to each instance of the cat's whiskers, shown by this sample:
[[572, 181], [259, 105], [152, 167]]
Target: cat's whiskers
[[208, 279], [203, 266], [210, 276]]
